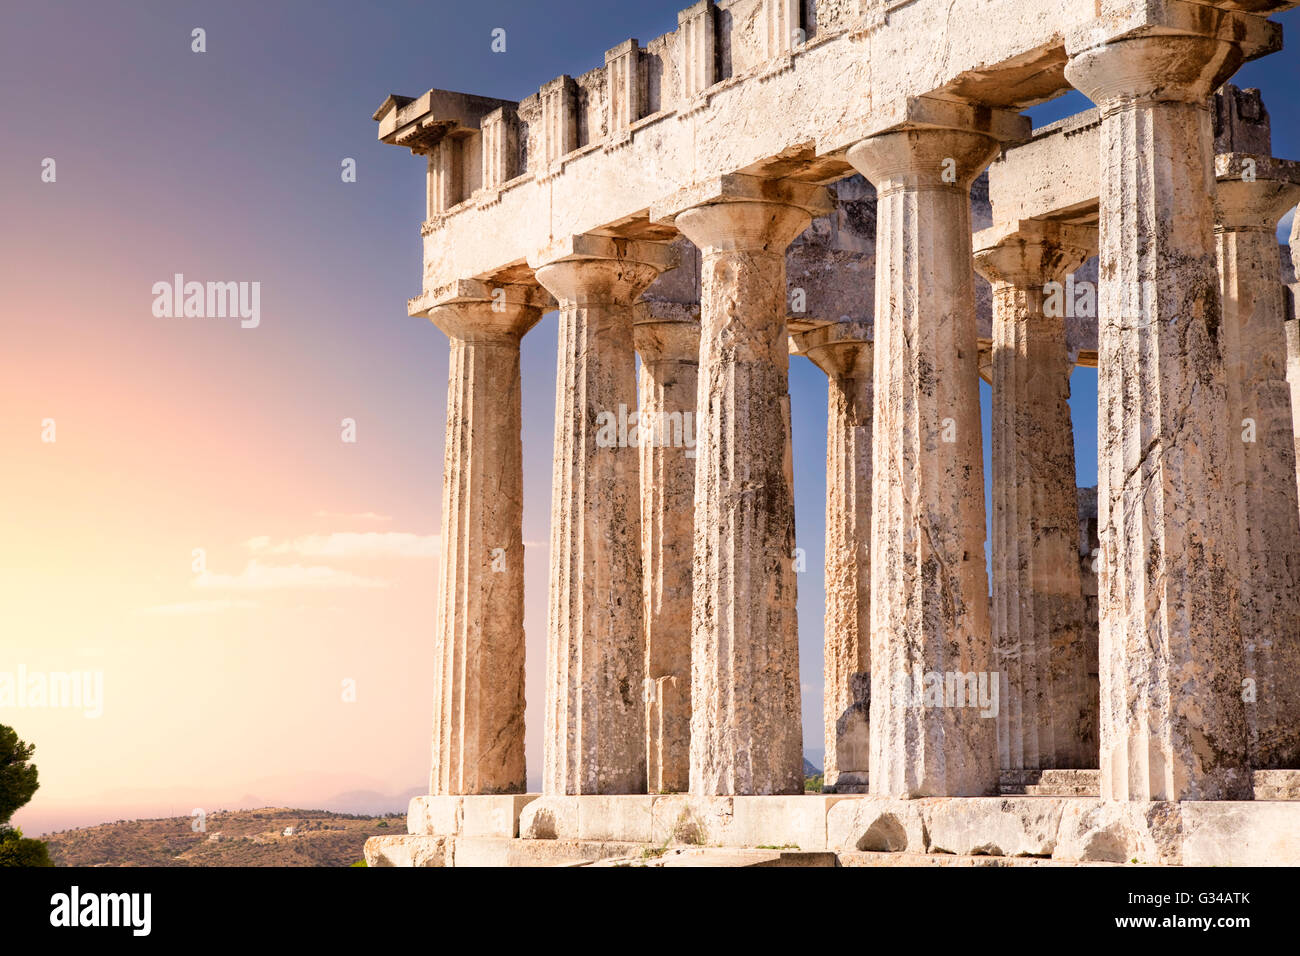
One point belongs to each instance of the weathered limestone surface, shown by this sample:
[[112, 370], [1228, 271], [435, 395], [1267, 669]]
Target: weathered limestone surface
[[1172, 718], [856, 69], [469, 815], [1277, 784], [1038, 634], [669, 370], [746, 726], [595, 715], [1089, 560], [843, 351], [478, 730], [1064, 829], [725, 857], [929, 601], [1293, 332], [795, 820], [408, 850], [1254, 191], [1293, 244]]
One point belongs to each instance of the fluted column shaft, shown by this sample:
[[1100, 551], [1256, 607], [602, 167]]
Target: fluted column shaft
[[1172, 716], [929, 601], [1044, 720], [670, 356], [843, 351], [478, 729], [1293, 380], [595, 718], [746, 730], [1293, 336], [1263, 454]]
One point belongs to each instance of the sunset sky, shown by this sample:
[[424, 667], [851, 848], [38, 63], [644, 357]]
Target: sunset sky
[[224, 680]]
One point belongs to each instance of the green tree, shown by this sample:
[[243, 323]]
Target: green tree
[[18, 781], [17, 777], [17, 850]]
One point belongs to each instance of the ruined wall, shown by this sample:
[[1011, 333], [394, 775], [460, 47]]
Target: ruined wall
[[593, 107], [834, 261], [830, 16]]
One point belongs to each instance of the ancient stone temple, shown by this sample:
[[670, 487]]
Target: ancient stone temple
[[855, 183]]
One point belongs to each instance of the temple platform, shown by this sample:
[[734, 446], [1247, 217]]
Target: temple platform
[[848, 830]]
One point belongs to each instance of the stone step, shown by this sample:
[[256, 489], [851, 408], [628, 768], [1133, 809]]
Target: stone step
[[1269, 784], [1277, 784], [420, 850], [1066, 783], [875, 858], [723, 856], [1039, 790]]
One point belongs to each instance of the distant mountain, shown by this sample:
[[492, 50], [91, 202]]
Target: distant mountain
[[810, 769], [228, 838], [372, 802]]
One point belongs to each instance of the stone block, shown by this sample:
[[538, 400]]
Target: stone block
[[781, 821], [876, 824], [1008, 826], [1224, 833], [681, 819], [493, 816], [550, 817], [496, 852], [625, 817], [1277, 784], [408, 850], [434, 815]]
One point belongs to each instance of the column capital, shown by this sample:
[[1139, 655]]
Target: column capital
[[1165, 51], [1153, 69], [928, 112], [840, 349], [472, 310], [741, 190], [1165, 20], [593, 268], [1029, 252], [1254, 192], [922, 156]]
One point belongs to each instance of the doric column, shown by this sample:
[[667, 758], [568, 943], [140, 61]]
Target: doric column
[[595, 718], [1253, 194], [843, 351], [933, 731], [1293, 377], [1293, 335], [1037, 601], [1293, 243], [670, 358], [746, 729], [1172, 716], [478, 727]]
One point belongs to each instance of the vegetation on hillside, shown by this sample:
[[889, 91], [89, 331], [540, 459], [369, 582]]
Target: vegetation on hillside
[[266, 837]]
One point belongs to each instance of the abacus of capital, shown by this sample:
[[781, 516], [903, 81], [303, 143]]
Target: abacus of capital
[[847, 182]]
